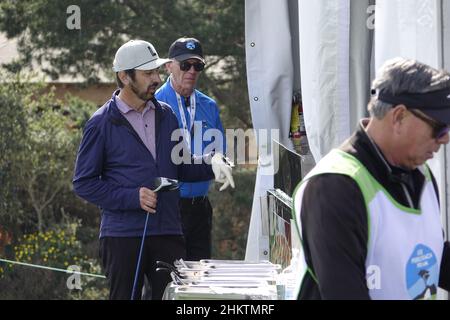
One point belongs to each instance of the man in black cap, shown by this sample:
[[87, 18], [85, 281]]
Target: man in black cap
[[368, 214], [198, 118]]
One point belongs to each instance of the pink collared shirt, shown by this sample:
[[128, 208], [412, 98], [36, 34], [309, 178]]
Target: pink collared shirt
[[143, 123]]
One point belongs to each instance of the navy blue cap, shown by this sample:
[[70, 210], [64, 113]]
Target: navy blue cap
[[186, 48], [435, 104]]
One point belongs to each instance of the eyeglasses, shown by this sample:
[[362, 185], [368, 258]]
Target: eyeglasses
[[439, 129], [186, 66]]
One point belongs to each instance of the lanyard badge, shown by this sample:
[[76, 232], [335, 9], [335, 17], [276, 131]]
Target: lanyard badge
[[186, 130]]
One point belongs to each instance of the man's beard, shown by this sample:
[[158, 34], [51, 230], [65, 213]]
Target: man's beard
[[143, 95]]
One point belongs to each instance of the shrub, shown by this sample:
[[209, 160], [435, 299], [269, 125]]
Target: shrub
[[39, 140], [58, 248]]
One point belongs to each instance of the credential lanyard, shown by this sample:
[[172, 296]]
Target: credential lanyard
[[187, 131]]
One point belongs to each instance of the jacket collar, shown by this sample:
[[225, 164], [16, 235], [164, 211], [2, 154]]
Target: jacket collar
[[391, 177], [116, 116]]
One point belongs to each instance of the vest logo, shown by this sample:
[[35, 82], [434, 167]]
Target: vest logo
[[422, 273]]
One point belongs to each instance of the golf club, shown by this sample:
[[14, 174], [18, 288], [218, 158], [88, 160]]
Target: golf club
[[160, 184]]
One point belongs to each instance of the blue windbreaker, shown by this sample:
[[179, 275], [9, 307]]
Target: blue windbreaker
[[113, 163], [206, 112]]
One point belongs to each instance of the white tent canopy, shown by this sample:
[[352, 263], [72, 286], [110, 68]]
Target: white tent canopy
[[341, 43], [270, 86]]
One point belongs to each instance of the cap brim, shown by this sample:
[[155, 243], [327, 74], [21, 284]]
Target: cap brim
[[153, 64], [439, 115], [189, 56]]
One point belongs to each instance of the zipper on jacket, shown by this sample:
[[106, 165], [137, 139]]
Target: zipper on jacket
[[408, 196], [388, 167]]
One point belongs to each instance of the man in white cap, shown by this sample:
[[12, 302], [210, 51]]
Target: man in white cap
[[126, 145]]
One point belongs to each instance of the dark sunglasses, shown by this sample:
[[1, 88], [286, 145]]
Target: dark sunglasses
[[439, 129], [186, 66]]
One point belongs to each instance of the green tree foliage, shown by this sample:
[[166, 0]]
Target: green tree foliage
[[40, 136], [231, 216], [47, 161], [105, 25], [39, 139], [12, 134]]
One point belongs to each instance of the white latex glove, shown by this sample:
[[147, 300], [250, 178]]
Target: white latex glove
[[222, 170]]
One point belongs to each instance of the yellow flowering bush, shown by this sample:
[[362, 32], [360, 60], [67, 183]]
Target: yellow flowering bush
[[56, 248]]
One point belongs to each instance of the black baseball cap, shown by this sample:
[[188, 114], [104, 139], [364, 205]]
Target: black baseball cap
[[186, 48], [435, 104]]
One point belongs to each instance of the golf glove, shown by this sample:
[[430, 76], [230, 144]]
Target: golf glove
[[222, 168]]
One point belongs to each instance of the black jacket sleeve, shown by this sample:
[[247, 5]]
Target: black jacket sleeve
[[444, 273], [444, 277], [335, 235]]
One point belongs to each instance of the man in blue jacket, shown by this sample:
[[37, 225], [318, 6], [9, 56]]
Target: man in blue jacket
[[198, 117], [126, 144]]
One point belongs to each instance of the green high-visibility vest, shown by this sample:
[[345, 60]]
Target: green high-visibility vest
[[405, 245]]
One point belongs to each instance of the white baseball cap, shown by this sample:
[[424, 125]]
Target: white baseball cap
[[137, 54]]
